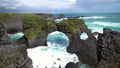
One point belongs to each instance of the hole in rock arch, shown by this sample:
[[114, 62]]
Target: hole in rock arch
[[16, 36], [57, 38], [54, 55], [84, 36]]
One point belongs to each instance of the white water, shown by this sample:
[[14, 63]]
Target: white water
[[52, 56], [59, 20], [92, 17], [106, 24]]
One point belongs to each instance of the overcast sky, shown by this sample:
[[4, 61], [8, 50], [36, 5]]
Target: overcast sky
[[60, 6]]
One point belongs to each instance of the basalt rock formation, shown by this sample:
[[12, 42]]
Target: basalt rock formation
[[109, 49], [72, 65], [101, 53], [35, 31], [84, 49], [2, 30], [12, 53]]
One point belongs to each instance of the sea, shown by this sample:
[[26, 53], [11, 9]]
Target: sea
[[55, 55]]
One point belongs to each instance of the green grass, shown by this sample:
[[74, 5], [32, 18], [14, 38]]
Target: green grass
[[2, 65], [72, 24], [33, 25]]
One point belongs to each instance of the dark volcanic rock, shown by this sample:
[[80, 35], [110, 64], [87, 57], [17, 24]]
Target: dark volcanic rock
[[13, 54], [13, 30], [84, 49], [109, 49], [14, 25], [72, 65], [39, 40], [4, 39], [102, 53], [2, 30], [23, 40]]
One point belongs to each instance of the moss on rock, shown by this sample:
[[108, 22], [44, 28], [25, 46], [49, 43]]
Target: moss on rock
[[33, 25], [4, 17], [72, 24], [15, 55], [2, 65]]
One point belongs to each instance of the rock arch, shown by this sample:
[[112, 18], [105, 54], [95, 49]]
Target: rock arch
[[36, 30], [45, 27], [59, 38]]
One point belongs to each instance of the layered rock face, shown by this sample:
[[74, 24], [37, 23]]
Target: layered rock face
[[2, 30], [109, 49], [13, 53], [101, 53], [84, 49]]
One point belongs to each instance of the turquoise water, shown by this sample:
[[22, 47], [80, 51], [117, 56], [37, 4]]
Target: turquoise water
[[16, 36], [96, 22]]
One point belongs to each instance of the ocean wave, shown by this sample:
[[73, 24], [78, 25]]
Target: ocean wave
[[93, 17], [59, 20], [52, 56], [96, 29], [111, 24]]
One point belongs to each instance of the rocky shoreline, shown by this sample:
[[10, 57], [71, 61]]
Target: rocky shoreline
[[103, 52]]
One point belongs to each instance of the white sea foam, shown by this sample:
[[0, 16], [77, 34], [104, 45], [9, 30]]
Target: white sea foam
[[111, 24], [92, 17], [96, 29], [61, 19], [96, 36], [52, 56]]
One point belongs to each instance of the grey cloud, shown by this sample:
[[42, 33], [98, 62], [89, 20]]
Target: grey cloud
[[9, 4], [98, 5]]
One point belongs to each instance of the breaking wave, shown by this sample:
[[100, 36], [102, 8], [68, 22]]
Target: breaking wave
[[54, 55], [93, 17], [111, 24]]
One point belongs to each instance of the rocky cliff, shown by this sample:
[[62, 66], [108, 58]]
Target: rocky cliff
[[13, 53], [101, 53], [108, 46]]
